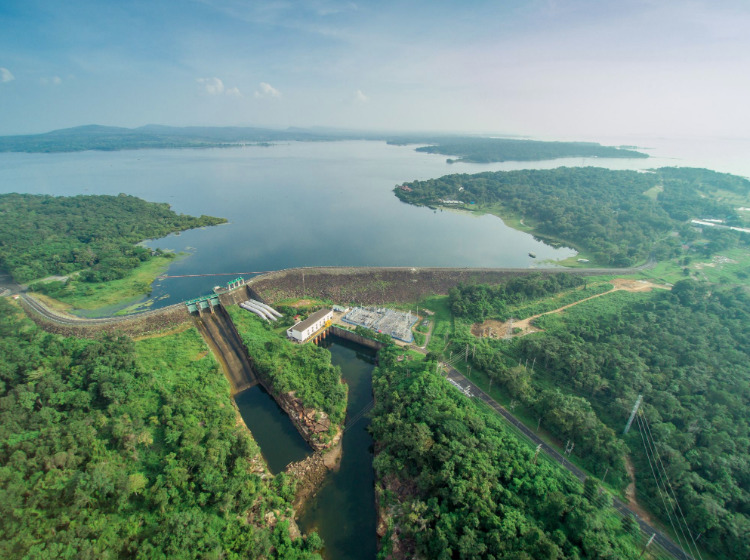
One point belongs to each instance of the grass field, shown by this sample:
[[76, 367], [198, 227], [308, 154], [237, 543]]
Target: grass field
[[93, 296]]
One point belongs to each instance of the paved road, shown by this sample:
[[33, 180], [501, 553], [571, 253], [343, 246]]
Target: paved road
[[472, 390], [62, 319]]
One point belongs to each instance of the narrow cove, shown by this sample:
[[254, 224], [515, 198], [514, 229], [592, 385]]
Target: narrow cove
[[280, 442], [343, 510]]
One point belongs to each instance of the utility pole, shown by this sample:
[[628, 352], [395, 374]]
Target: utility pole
[[466, 353], [538, 424], [536, 453], [632, 414], [468, 370], [605, 474], [648, 543]]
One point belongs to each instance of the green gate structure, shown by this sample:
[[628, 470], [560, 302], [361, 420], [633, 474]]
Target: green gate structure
[[204, 302]]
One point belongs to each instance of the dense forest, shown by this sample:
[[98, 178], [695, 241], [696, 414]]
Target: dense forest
[[303, 369], [112, 449], [486, 150], [687, 352], [477, 302], [457, 484], [46, 235], [618, 217]]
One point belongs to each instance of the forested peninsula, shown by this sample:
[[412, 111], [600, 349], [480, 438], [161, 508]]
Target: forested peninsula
[[476, 149], [617, 218], [96, 236], [487, 150]]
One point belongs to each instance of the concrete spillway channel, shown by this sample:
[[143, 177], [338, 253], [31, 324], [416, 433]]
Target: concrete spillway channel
[[218, 331]]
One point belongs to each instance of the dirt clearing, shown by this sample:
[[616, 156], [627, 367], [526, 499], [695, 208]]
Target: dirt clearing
[[492, 328]]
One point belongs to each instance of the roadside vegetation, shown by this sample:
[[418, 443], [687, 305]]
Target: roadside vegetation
[[685, 350], [110, 449], [455, 483]]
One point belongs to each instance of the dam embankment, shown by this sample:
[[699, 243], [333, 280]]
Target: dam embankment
[[377, 285]]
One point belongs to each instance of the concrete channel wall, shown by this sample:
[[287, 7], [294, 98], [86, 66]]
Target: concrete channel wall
[[354, 337]]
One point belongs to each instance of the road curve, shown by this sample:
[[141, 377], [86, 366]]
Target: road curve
[[621, 507], [59, 318]]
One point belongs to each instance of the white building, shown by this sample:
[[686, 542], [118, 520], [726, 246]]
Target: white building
[[305, 329]]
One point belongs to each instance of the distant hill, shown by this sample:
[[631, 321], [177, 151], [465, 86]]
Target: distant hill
[[153, 136]]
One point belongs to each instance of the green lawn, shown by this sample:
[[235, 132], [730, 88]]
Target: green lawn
[[92, 296]]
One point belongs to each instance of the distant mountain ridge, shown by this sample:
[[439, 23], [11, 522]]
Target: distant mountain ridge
[[156, 136]]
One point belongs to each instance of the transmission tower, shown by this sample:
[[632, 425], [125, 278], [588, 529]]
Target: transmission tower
[[632, 414]]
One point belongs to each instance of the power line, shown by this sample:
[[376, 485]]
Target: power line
[[656, 480], [666, 476]]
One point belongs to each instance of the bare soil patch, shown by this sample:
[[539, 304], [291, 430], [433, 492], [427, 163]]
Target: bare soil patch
[[630, 492], [492, 328]]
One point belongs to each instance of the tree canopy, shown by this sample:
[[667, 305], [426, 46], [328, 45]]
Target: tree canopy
[[111, 449], [44, 235], [619, 217], [457, 484]]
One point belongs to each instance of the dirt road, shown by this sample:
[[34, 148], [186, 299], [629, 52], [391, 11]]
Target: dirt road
[[499, 329]]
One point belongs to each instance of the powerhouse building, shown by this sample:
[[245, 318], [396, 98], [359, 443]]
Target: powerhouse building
[[305, 329]]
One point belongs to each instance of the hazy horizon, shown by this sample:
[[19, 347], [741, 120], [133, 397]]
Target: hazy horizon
[[544, 69]]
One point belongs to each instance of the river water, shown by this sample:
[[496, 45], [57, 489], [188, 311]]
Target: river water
[[343, 511], [279, 441]]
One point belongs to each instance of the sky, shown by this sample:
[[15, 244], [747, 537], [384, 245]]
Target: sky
[[546, 69]]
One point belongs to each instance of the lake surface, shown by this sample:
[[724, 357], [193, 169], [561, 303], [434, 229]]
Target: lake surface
[[343, 511], [318, 203], [280, 442]]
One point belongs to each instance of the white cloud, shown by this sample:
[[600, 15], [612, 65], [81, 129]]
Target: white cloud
[[267, 90], [234, 92], [6, 76], [54, 80], [214, 86], [361, 97]]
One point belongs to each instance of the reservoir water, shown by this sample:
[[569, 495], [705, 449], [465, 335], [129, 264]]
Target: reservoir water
[[343, 511], [320, 203], [288, 205]]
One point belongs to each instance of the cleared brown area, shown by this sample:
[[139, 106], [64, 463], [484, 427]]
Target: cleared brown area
[[492, 328]]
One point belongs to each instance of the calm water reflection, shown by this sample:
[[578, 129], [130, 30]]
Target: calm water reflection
[[343, 512], [279, 441]]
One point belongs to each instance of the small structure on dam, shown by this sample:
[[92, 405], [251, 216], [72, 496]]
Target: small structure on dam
[[396, 324], [203, 303], [307, 329]]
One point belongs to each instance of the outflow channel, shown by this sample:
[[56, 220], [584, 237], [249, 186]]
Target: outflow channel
[[343, 511]]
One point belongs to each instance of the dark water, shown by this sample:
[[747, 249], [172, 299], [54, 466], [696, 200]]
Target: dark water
[[279, 441], [343, 511]]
